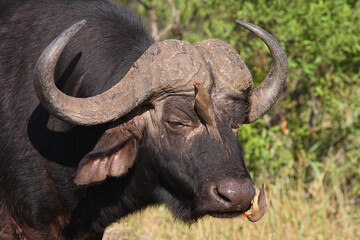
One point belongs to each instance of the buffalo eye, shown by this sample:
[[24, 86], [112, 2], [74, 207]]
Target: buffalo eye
[[179, 114], [176, 124]]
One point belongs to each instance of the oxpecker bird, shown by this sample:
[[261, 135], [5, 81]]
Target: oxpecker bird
[[205, 109]]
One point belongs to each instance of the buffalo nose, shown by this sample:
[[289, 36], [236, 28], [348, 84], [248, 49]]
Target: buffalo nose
[[233, 194]]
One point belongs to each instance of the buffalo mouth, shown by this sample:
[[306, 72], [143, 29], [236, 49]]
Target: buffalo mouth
[[229, 214], [226, 214]]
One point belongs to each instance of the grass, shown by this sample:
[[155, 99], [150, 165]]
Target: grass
[[314, 213]]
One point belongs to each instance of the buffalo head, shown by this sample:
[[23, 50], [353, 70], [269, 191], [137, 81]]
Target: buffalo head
[[178, 137]]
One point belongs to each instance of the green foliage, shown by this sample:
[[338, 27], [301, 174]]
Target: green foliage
[[312, 134], [321, 101]]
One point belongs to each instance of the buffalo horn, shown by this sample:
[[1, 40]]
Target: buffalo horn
[[265, 95], [102, 108]]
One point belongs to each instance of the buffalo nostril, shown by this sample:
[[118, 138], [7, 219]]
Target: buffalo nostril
[[228, 193], [234, 194], [226, 199]]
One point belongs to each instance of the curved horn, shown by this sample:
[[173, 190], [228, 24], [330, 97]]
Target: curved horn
[[265, 95], [128, 93], [102, 108]]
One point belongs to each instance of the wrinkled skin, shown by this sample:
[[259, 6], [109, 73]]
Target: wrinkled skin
[[186, 172]]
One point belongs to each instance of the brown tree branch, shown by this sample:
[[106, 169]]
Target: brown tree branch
[[153, 19], [314, 113], [174, 24], [147, 7]]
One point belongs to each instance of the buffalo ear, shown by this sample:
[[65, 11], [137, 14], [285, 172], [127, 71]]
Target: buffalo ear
[[112, 156]]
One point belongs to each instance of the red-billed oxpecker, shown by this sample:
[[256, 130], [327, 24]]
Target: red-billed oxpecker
[[204, 107]]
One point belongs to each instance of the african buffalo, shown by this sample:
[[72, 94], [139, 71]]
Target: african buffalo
[[125, 126]]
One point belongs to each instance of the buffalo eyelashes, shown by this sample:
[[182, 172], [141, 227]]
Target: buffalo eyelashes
[[176, 124]]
